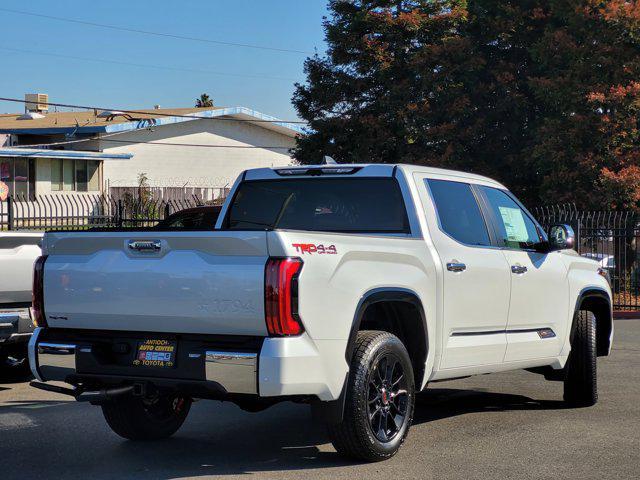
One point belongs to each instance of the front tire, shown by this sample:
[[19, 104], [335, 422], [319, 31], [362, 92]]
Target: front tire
[[137, 418], [580, 383], [380, 399]]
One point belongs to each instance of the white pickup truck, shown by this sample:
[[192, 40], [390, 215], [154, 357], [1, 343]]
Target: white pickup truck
[[18, 251], [348, 287]]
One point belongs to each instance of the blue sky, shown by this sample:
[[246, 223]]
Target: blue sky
[[286, 24]]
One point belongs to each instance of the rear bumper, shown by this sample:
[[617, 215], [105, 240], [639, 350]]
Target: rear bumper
[[71, 360], [15, 325], [265, 367]]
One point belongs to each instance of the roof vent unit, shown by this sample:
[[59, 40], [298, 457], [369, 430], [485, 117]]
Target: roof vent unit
[[110, 113], [36, 102], [30, 116]]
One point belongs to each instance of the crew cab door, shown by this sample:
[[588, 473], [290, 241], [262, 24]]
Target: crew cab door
[[539, 305], [475, 278]]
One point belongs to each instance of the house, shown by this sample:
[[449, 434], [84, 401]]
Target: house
[[96, 151]]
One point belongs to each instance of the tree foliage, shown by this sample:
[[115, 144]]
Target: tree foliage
[[543, 95], [204, 101]]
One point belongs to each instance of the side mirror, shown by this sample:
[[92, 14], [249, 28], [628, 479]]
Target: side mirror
[[561, 237]]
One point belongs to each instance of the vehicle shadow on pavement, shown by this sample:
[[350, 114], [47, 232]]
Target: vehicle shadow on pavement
[[8, 378], [217, 439], [285, 437], [439, 403]]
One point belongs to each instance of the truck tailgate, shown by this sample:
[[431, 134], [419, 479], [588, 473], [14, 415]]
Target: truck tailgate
[[187, 282]]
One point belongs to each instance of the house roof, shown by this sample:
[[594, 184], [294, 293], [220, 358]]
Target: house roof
[[73, 154], [89, 122]]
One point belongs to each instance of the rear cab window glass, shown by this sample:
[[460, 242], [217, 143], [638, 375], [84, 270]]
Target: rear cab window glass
[[458, 212], [348, 205], [515, 228], [193, 220]]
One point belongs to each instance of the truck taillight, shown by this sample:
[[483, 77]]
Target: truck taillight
[[37, 306], [281, 296]]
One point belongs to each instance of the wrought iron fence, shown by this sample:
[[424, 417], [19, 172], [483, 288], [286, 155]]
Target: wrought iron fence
[[611, 238], [205, 194], [82, 211]]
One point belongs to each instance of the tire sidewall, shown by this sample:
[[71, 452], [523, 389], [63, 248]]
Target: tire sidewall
[[386, 344], [131, 419], [580, 384]]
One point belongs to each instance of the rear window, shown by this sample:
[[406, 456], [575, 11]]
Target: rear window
[[350, 205]]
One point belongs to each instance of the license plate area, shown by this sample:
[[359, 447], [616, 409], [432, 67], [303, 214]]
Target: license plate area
[[155, 353]]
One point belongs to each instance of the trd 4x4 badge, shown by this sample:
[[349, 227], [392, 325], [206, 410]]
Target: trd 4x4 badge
[[312, 248]]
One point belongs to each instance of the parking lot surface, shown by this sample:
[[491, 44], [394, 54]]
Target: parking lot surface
[[510, 425]]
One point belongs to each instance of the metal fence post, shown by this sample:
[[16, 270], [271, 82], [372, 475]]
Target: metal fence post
[[167, 210], [10, 212], [120, 213]]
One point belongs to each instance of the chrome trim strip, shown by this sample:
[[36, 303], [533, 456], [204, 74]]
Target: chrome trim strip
[[56, 348], [9, 317], [548, 332], [235, 371], [33, 361]]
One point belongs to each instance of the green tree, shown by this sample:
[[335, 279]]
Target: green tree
[[540, 94], [204, 101], [380, 93]]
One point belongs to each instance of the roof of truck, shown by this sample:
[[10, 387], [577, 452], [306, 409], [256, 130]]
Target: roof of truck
[[384, 169], [448, 173]]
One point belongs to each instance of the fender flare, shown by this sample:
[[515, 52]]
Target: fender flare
[[384, 294], [603, 341]]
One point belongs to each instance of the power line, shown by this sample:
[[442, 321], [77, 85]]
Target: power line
[[144, 65], [160, 114], [157, 34]]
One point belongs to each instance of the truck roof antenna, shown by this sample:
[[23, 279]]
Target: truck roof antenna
[[327, 160]]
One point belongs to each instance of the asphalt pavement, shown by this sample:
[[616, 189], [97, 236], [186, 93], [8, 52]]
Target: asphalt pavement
[[508, 425]]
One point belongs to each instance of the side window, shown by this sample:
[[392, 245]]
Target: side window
[[515, 228], [458, 212]]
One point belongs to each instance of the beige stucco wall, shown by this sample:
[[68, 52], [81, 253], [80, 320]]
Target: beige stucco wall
[[177, 166]]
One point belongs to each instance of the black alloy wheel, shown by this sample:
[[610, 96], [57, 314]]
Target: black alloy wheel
[[387, 397]]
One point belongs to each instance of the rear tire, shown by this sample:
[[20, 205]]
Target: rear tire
[[137, 418], [380, 398], [580, 382]]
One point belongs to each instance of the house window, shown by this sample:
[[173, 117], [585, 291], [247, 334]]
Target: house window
[[19, 175], [75, 175]]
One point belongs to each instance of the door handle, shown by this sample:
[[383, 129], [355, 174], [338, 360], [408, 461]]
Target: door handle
[[518, 269], [456, 267]]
